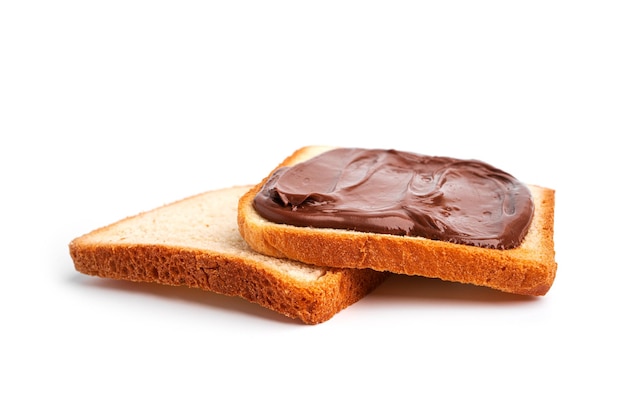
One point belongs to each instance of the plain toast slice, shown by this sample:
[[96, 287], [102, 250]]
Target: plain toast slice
[[528, 269], [195, 242]]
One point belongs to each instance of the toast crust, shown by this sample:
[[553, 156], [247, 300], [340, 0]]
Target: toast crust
[[181, 244], [528, 269]]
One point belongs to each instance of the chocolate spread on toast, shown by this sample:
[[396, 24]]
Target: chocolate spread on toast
[[401, 193]]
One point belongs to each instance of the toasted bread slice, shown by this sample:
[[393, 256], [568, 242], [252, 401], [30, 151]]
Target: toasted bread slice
[[528, 269], [195, 242]]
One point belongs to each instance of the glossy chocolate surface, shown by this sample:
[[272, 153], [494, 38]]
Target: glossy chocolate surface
[[400, 193]]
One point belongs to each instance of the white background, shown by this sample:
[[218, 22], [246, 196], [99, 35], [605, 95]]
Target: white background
[[111, 108]]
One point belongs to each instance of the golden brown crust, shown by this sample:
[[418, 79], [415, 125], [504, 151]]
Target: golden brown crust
[[529, 269], [167, 260]]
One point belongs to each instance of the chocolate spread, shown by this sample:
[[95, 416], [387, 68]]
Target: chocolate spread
[[392, 192]]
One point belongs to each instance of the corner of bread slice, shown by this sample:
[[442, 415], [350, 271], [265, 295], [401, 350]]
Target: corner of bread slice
[[195, 243], [529, 269], [256, 231]]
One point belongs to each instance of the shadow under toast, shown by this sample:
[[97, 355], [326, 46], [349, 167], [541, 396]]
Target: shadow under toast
[[418, 290], [397, 290], [183, 294]]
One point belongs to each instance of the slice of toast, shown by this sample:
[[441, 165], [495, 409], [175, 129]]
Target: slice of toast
[[195, 242], [528, 269]]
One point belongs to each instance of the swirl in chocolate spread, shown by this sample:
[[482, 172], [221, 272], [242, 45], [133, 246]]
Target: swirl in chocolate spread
[[400, 193]]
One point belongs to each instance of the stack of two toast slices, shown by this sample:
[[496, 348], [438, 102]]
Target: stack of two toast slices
[[216, 241]]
